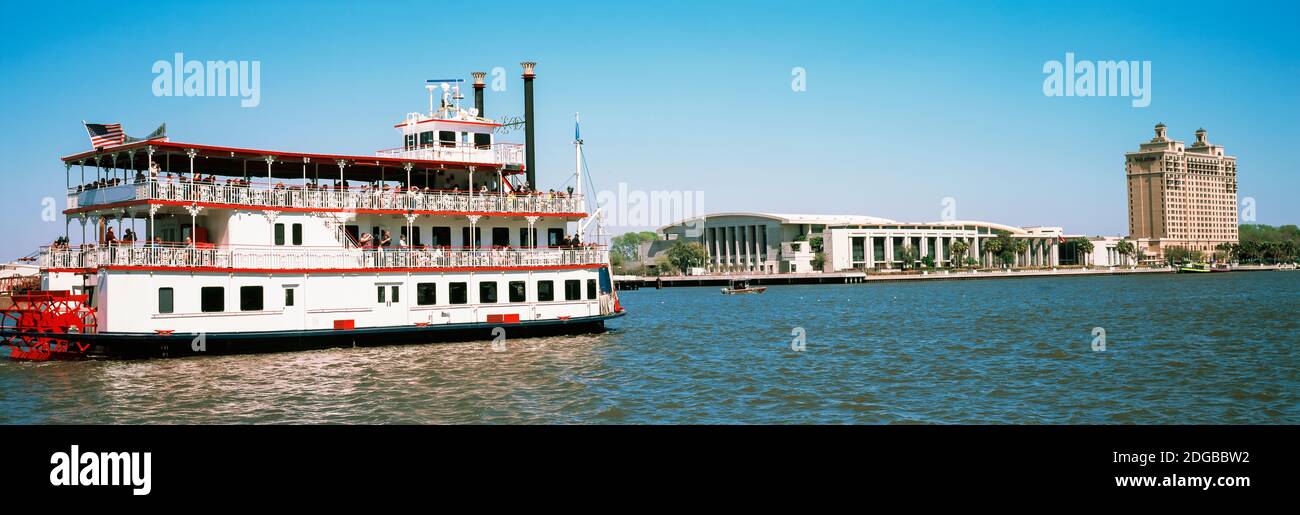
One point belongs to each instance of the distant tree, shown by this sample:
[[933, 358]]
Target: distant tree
[[818, 261], [1125, 249], [1176, 254], [928, 261], [815, 243], [907, 255], [959, 248], [684, 256], [1084, 247]]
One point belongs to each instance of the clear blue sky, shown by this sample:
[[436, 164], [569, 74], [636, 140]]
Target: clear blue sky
[[906, 102]]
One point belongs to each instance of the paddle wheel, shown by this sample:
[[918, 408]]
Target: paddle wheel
[[32, 323]]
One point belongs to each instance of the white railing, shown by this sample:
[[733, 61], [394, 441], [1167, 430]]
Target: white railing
[[496, 153], [291, 258], [312, 197]]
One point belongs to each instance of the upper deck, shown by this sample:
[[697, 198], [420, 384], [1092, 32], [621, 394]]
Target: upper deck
[[443, 178]]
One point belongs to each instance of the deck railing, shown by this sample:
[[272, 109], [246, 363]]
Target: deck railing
[[312, 197], [496, 153], [298, 258]]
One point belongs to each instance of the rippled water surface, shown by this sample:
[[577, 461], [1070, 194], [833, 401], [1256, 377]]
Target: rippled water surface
[[1205, 348]]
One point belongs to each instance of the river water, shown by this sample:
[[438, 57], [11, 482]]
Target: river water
[[1191, 348]]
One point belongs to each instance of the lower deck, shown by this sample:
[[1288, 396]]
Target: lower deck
[[165, 302]]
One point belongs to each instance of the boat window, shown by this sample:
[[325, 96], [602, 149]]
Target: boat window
[[591, 289], [426, 294], [279, 234], [297, 234], [250, 298], [165, 300], [500, 236], [573, 289], [212, 299], [482, 141], [554, 237], [518, 291], [447, 138], [545, 291], [523, 237], [288, 297], [381, 296], [487, 292], [410, 141], [426, 139], [396, 290], [459, 293]]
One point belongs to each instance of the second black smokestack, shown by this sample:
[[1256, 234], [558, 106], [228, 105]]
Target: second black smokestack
[[478, 92], [530, 158]]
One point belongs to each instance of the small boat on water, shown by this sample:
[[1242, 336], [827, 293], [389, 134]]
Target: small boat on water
[[1220, 267], [1194, 268], [741, 286]]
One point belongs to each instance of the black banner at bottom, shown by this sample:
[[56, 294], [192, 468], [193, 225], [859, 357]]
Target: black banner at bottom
[[146, 465]]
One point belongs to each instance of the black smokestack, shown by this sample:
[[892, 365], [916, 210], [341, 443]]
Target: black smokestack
[[478, 92], [530, 157]]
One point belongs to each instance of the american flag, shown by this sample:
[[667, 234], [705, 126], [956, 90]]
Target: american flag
[[105, 134]]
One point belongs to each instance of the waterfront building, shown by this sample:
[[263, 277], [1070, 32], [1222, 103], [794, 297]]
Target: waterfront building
[[774, 243], [759, 242], [1181, 195]]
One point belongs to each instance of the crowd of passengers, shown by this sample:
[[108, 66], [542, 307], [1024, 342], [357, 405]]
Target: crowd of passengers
[[450, 186]]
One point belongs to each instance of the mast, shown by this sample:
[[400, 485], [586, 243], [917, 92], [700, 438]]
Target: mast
[[577, 155]]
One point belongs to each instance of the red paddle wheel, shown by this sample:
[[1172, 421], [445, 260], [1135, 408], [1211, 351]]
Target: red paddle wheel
[[33, 322]]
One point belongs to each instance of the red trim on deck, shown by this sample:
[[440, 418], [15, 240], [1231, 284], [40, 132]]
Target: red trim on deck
[[300, 271]]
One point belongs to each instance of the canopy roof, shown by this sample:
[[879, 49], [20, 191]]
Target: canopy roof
[[172, 157]]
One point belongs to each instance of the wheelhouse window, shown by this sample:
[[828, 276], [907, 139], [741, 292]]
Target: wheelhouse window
[[426, 294], [482, 141], [166, 300], [487, 292], [591, 289], [545, 291], [410, 141], [518, 291], [447, 138], [212, 299], [250, 298], [426, 139], [573, 289], [459, 293]]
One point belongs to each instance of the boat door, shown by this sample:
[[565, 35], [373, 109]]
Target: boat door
[[293, 311], [390, 304]]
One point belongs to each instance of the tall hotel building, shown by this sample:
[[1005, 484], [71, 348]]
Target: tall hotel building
[[1181, 196]]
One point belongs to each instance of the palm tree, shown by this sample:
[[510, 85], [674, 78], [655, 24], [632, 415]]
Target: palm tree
[[959, 248], [1084, 246], [907, 254], [1019, 247], [1125, 249]]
